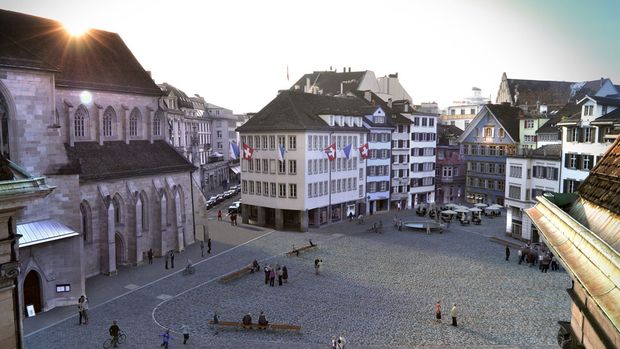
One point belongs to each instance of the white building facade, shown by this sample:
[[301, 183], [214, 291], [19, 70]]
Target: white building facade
[[423, 145]]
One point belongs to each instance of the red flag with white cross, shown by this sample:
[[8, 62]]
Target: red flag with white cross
[[247, 152], [331, 152]]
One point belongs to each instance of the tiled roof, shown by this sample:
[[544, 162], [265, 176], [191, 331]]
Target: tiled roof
[[298, 111], [116, 159], [552, 93], [97, 60], [392, 117], [329, 81], [607, 101], [447, 132], [509, 118], [611, 116], [602, 186], [567, 111], [549, 151], [182, 98]]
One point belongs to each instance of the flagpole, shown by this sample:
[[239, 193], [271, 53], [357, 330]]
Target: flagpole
[[329, 163]]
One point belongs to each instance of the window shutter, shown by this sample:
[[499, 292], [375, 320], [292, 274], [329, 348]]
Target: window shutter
[[566, 160], [565, 186], [579, 165]]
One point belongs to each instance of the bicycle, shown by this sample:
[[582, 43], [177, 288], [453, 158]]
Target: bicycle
[[109, 343], [189, 270]]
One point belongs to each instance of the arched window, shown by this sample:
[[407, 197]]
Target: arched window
[[4, 129], [118, 210], [109, 117], [85, 220], [157, 124], [145, 211], [79, 122], [134, 118]]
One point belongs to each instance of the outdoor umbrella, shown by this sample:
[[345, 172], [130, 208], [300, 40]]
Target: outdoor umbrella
[[475, 209], [461, 210], [451, 205], [448, 212], [481, 205]]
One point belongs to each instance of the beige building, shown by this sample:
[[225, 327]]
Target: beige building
[[85, 118]]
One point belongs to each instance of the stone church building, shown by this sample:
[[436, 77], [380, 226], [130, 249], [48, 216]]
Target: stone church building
[[82, 112]]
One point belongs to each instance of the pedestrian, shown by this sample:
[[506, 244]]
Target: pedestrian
[[209, 245], [149, 255], [507, 252], [285, 274], [165, 339], [280, 275], [166, 258], [453, 314], [334, 342], [317, 265], [85, 310], [202, 248], [428, 229], [341, 341], [80, 309], [520, 255], [438, 311], [272, 277], [219, 215], [235, 218], [185, 331], [541, 256], [266, 274], [172, 259], [351, 216]]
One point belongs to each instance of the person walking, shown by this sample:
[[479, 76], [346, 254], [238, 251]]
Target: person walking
[[85, 309], [114, 331], [341, 341], [202, 248], [267, 274], [172, 259], [317, 265], [80, 309], [453, 314], [284, 274], [149, 255], [219, 215], [166, 258], [280, 275], [209, 245], [185, 331], [438, 311], [507, 252], [272, 277], [165, 337]]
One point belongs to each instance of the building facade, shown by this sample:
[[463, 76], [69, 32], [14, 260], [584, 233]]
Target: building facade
[[293, 170], [529, 173], [450, 173], [491, 136], [120, 189], [461, 113]]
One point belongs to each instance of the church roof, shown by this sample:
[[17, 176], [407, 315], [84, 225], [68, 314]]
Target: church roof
[[97, 60], [116, 159], [298, 111], [183, 100], [552, 93]]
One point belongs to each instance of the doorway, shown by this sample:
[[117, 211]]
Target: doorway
[[32, 291]]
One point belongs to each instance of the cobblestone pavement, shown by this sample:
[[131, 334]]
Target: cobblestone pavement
[[378, 289]]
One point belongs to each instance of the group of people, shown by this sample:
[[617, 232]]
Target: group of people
[[169, 257], [83, 310], [398, 223], [338, 342], [247, 319], [453, 313], [271, 273], [536, 255]]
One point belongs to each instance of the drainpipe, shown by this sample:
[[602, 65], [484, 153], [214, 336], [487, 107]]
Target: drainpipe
[[191, 190]]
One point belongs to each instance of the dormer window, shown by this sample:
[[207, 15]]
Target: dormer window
[[588, 110], [379, 119], [488, 132], [502, 133]]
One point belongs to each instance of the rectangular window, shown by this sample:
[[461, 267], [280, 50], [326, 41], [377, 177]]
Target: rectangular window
[[588, 134], [258, 188], [272, 166], [265, 165], [250, 166], [574, 134], [264, 142], [310, 142], [514, 192], [310, 167], [424, 121], [431, 122], [281, 167], [282, 141], [516, 171], [251, 190], [292, 142], [292, 190], [272, 142], [281, 190], [292, 167], [258, 162], [244, 186], [266, 188], [310, 190]]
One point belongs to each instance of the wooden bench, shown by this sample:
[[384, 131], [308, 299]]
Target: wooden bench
[[256, 326], [236, 274], [297, 251]]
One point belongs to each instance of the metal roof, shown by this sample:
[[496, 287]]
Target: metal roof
[[39, 232]]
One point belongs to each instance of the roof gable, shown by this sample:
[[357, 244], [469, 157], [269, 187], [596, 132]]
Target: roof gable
[[331, 83], [502, 115]]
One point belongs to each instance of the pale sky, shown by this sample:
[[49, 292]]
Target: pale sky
[[235, 53]]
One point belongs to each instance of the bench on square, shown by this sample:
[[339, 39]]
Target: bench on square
[[297, 251], [236, 274], [256, 326]]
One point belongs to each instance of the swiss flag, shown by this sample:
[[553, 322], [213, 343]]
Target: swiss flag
[[363, 151], [331, 152], [247, 152]]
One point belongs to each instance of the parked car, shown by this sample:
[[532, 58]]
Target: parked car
[[236, 188], [235, 207], [220, 198], [210, 203], [229, 193]]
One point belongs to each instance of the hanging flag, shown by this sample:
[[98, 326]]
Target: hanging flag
[[281, 152], [247, 152], [234, 151], [331, 152], [363, 151], [347, 151]]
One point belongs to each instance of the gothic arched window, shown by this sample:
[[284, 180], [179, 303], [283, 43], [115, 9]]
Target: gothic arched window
[[157, 124], [134, 119], [4, 129], [79, 122], [109, 117]]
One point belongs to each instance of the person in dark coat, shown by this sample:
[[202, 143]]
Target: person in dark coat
[[209, 245], [267, 274], [172, 259], [149, 255], [166, 257], [285, 274], [507, 252], [247, 320]]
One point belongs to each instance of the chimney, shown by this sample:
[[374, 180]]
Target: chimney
[[602, 81], [349, 69], [307, 89], [390, 103], [344, 69], [368, 96]]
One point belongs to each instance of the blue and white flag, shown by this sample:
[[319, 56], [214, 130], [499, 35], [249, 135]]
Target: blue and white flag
[[281, 152], [347, 151], [234, 151]]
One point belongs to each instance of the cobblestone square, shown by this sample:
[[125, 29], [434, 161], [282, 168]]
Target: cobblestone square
[[377, 289]]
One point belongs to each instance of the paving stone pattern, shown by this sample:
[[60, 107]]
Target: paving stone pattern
[[377, 289]]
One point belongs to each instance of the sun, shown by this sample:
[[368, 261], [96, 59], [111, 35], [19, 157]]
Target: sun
[[76, 28]]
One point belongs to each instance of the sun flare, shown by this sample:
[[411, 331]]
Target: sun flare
[[76, 29]]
